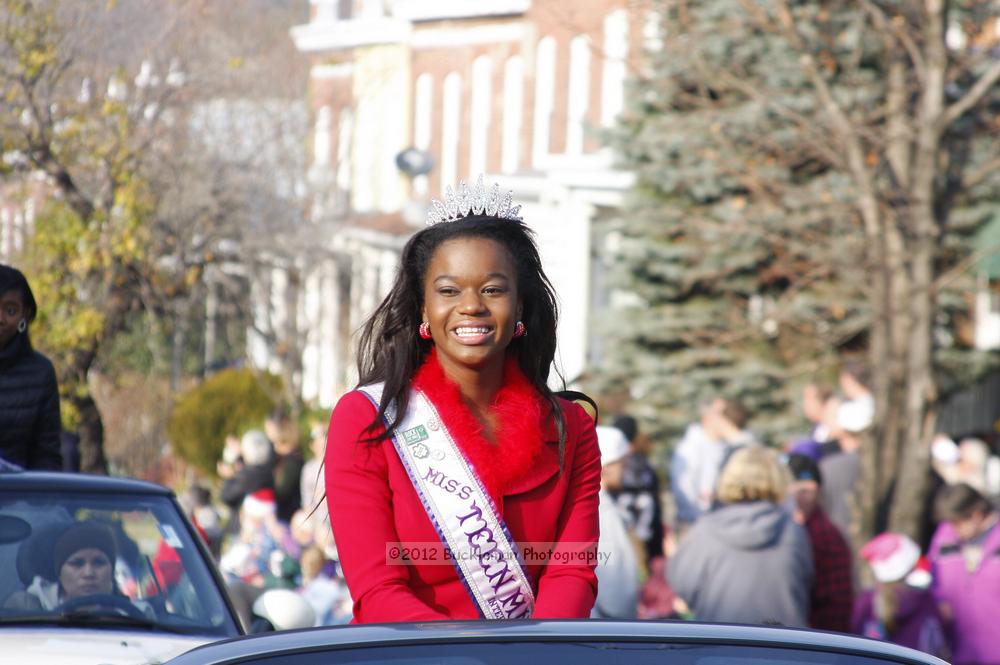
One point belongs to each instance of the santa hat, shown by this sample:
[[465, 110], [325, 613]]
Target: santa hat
[[892, 556], [613, 444], [260, 504]]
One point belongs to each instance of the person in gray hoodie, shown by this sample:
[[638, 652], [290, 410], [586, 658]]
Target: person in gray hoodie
[[747, 561]]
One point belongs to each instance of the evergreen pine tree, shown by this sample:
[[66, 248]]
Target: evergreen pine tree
[[811, 177]]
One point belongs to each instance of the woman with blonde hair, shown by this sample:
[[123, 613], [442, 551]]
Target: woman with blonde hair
[[746, 561]]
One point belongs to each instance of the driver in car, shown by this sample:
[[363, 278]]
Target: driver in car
[[84, 561], [84, 557]]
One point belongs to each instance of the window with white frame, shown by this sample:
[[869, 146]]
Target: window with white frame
[[482, 102], [451, 117], [545, 83], [652, 32], [423, 122], [615, 55], [423, 109], [579, 93], [392, 139], [325, 10], [513, 114], [321, 136], [345, 134], [364, 160]]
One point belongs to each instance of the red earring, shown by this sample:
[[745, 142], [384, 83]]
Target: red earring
[[425, 330], [519, 330]]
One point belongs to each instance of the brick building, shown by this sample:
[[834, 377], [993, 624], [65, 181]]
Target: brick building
[[515, 89]]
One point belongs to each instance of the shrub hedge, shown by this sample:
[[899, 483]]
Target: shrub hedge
[[229, 402]]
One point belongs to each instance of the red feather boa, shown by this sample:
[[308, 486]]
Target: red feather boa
[[517, 412]]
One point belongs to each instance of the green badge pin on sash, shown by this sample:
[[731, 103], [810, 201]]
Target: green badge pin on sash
[[414, 435]]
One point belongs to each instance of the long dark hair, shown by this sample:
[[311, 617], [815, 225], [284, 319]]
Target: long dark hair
[[12, 279], [390, 349]]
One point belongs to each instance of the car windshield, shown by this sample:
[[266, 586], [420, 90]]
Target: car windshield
[[105, 561]]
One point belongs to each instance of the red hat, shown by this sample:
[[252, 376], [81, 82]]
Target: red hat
[[261, 503]]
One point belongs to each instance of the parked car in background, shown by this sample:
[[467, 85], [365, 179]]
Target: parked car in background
[[166, 595], [581, 642]]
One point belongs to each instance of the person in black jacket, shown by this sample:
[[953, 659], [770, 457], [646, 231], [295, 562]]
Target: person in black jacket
[[29, 394], [288, 462], [254, 471], [639, 494]]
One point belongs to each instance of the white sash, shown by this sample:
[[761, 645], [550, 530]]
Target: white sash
[[477, 540]]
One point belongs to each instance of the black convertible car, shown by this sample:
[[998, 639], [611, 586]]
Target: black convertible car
[[582, 642]]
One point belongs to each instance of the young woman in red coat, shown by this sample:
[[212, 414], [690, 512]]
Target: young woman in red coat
[[459, 486]]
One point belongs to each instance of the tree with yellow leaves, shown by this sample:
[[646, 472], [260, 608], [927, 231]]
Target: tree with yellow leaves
[[97, 100]]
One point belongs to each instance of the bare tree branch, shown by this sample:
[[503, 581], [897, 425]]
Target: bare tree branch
[[892, 27], [963, 266], [972, 97], [846, 131], [818, 140], [980, 174]]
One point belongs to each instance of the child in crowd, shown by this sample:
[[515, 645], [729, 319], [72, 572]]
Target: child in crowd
[[901, 608], [323, 589]]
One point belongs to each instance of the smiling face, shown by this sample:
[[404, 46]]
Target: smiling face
[[471, 302], [86, 572]]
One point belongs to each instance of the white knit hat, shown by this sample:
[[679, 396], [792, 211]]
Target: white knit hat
[[891, 556], [613, 444], [944, 449], [856, 415]]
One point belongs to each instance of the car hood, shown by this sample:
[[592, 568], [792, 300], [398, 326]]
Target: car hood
[[88, 647]]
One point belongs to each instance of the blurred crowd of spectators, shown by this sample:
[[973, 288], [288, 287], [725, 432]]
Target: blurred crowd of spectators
[[745, 532], [752, 533], [269, 528]]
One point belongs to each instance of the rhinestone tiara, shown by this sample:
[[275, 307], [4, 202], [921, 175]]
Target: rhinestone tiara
[[473, 201]]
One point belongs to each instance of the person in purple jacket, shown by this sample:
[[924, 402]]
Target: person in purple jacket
[[900, 609], [965, 558]]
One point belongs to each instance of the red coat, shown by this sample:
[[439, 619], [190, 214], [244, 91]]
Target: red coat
[[372, 502]]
